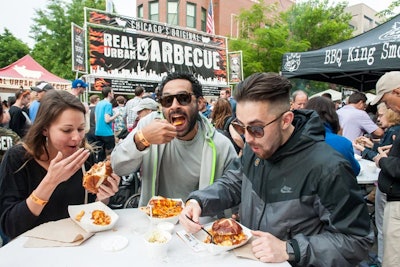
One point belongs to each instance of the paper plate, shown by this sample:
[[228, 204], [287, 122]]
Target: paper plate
[[156, 220], [216, 249], [86, 222], [114, 243]]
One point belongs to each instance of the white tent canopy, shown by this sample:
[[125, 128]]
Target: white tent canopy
[[336, 96]]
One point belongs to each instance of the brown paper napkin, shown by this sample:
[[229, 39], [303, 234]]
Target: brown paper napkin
[[61, 233], [245, 251]]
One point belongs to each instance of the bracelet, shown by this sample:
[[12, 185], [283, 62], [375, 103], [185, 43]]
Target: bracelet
[[37, 200], [142, 139]]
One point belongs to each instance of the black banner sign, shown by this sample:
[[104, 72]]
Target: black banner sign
[[78, 49]]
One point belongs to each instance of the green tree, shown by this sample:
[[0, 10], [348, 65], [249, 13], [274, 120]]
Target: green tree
[[389, 12], [52, 33], [12, 48], [318, 23], [265, 37]]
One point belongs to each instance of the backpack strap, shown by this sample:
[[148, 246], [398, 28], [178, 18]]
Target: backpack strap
[[228, 122]]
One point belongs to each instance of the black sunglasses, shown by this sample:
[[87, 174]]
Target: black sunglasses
[[255, 131], [184, 99]]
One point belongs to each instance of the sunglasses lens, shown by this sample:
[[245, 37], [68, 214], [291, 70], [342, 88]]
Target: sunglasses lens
[[256, 131], [238, 128], [183, 99], [167, 101]]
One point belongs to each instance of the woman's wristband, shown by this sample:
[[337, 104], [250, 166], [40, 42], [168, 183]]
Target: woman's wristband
[[142, 139], [37, 200]]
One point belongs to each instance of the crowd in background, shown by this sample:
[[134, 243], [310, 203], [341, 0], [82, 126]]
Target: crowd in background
[[350, 129]]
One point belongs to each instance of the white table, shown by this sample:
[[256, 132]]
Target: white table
[[369, 172], [132, 224]]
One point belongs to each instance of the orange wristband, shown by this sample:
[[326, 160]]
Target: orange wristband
[[37, 200], [142, 139]]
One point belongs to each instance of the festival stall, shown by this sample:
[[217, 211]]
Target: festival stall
[[358, 62], [26, 72]]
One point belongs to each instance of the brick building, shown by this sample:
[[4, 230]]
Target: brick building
[[193, 13]]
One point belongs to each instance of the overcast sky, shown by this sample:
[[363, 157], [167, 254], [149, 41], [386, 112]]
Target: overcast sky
[[17, 15]]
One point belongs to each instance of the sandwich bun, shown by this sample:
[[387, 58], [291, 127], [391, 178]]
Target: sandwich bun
[[226, 227], [96, 176]]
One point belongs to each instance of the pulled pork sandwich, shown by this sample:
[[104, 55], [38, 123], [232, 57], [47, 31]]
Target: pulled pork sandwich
[[96, 176], [226, 232]]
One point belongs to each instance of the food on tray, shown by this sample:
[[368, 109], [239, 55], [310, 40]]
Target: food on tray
[[96, 176], [161, 207], [99, 217], [79, 216], [226, 232]]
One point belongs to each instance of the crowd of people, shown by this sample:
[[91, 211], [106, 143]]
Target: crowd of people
[[281, 162]]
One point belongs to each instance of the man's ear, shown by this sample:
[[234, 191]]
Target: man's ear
[[396, 91]]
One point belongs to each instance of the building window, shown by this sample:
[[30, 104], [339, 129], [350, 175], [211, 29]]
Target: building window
[[140, 11], [203, 19], [190, 15], [172, 15], [368, 23], [153, 11]]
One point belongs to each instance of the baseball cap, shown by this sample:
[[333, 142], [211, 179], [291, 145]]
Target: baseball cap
[[79, 83], [385, 84], [145, 103], [42, 86]]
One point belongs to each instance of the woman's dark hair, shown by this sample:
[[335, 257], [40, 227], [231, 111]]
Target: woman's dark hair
[[326, 111], [53, 103], [221, 110], [196, 86]]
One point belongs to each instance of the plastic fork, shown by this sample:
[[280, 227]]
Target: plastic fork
[[202, 228]]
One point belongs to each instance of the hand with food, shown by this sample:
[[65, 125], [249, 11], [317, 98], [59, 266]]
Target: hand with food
[[160, 131], [268, 248], [101, 181], [190, 215]]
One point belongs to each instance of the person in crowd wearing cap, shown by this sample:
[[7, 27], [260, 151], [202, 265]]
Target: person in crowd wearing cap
[[78, 87], [19, 119], [104, 117], [355, 121], [297, 194], [131, 116], [41, 88], [388, 159], [177, 150], [145, 107]]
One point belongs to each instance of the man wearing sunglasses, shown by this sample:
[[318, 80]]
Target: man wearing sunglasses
[[298, 195], [177, 150]]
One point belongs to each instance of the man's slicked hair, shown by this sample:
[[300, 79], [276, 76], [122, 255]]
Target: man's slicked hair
[[266, 86]]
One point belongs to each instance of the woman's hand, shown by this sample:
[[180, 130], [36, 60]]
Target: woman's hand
[[61, 169], [105, 192]]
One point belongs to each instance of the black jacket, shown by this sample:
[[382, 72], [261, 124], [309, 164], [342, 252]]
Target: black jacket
[[389, 177], [305, 192]]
